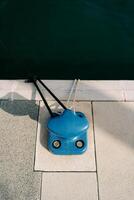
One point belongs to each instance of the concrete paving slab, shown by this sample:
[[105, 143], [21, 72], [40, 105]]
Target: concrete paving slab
[[129, 95], [100, 95], [69, 186], [46, 161], [114, 133], [87, 90], [18, 122]]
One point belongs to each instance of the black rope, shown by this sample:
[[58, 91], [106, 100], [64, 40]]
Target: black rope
[[43, 98], [62, 105]]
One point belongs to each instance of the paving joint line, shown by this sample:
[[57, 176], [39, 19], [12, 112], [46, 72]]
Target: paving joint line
[[38, 114], [65, 171], [95, 152], [41, 186]]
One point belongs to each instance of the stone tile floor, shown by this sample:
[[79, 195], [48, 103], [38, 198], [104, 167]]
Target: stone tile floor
[[109, 175], [46, 161]]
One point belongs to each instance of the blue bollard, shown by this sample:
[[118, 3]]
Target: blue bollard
[[67, 133]]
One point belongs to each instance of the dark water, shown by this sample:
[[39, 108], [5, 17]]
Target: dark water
[[65, 39]]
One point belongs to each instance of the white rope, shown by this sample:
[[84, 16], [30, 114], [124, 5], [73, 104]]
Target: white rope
[[73, 89], [68, 100], [75, 93], [71, 92]]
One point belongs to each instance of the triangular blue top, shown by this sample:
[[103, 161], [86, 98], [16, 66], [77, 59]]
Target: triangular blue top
[[68, 124]]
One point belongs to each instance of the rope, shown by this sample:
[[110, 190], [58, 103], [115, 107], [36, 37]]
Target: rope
[[75, 85], [71, 92]]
